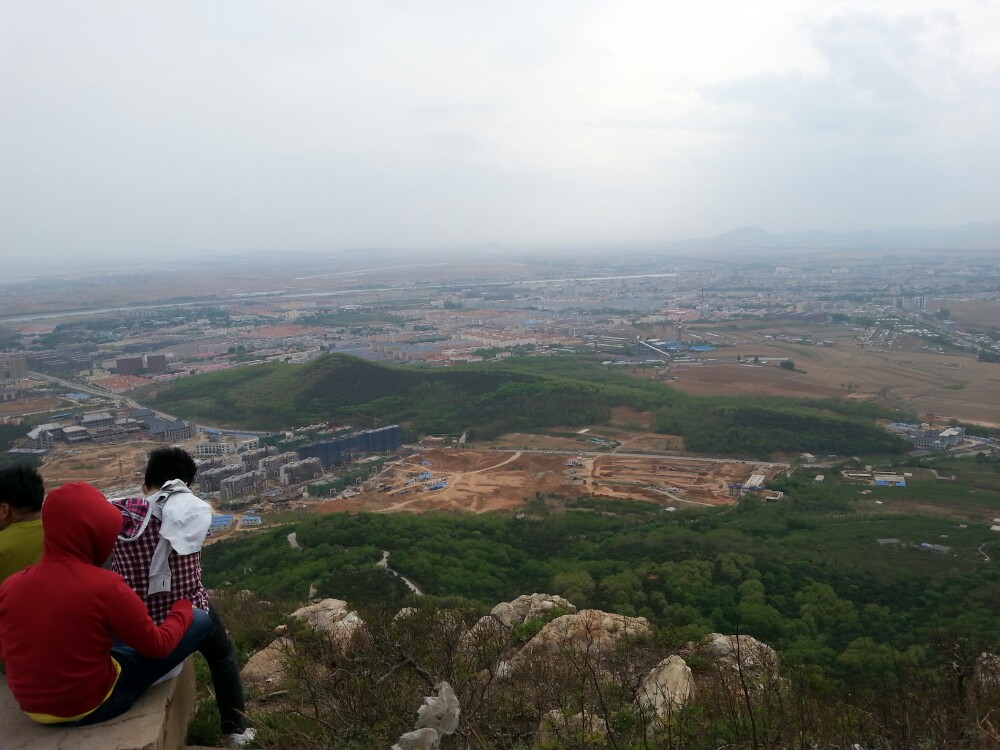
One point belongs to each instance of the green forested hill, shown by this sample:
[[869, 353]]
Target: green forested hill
[[526, 394], [493, 400]]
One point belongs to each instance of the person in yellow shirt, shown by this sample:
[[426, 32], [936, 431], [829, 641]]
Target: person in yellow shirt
[[21, 493]]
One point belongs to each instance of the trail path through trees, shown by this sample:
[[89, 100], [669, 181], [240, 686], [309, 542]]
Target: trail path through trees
[[384, 564]]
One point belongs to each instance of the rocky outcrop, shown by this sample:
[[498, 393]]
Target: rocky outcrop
[[737, 662], [590, 630], [404, 613], [530, 607], [507, 615], [735, 653], [331, 616], [267, 667], [667, 688]]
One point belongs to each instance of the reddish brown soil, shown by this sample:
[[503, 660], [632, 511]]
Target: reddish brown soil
[[480, 481]]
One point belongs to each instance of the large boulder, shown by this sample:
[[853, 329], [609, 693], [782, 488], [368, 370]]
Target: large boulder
[[268, 666], [737, 662], [667, 688], [530, 607], [507, 615], [272, 664], [735, 653], [331, 616], [589, 631], [492, 631]]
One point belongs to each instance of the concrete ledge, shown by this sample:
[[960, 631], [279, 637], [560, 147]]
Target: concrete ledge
[[157, 722]]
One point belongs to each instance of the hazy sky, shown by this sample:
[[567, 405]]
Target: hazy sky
[[131, 128]]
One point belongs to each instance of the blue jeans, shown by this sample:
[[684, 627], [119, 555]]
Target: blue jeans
[[139, 672]]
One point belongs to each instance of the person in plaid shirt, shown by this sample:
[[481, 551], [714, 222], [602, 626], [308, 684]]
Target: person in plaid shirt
[[158, 553]]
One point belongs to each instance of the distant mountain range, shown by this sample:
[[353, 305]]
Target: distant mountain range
[[980, 235]]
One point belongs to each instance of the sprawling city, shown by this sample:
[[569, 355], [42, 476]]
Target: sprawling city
[[914, 331]]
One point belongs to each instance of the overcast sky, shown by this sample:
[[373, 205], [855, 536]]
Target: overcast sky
[[179, 127]]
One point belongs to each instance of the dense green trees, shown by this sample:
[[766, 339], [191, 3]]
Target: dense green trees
[[748, 427], [525, 394]]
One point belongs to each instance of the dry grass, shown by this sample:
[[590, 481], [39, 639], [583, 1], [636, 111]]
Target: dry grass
[[954, 385]]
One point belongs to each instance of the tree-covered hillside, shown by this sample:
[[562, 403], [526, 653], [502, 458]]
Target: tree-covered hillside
[[807, 575], [527, 394]]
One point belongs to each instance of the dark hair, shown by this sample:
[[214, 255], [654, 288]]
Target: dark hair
[[169, 463], [22, 487]]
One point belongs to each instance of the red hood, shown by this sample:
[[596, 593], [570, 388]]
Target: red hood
[[79, 523]]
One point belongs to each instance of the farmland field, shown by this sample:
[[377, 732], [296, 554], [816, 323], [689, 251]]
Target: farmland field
[[899, 373]]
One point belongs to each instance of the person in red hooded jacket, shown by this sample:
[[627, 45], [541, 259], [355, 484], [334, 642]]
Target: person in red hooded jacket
[[78, 643]]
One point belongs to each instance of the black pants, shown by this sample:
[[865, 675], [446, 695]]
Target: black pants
[[218, 652], [138, 672]]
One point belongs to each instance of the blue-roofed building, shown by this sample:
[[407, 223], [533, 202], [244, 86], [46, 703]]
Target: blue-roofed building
[[220, 523]]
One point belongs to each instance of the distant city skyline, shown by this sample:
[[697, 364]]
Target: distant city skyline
[[131, 132]]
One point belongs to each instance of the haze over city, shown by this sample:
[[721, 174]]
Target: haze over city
[[622, 374], [182, 129]]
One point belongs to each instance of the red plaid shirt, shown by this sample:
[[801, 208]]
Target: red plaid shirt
[[131, 559]]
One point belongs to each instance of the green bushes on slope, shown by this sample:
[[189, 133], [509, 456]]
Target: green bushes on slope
[[528, 394]]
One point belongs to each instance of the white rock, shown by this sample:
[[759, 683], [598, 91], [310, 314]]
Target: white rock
[[507, 615], [590, 634], [404, 613], [323, 614], [332, 616], [745, 652], [588, 630], [667, 687]]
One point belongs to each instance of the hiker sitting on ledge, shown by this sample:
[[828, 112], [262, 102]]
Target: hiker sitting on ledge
[[79, 644], [158, 553]]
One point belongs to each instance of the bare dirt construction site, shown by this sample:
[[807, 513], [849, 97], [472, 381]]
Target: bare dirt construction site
[[109, 467], [480, 481]]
